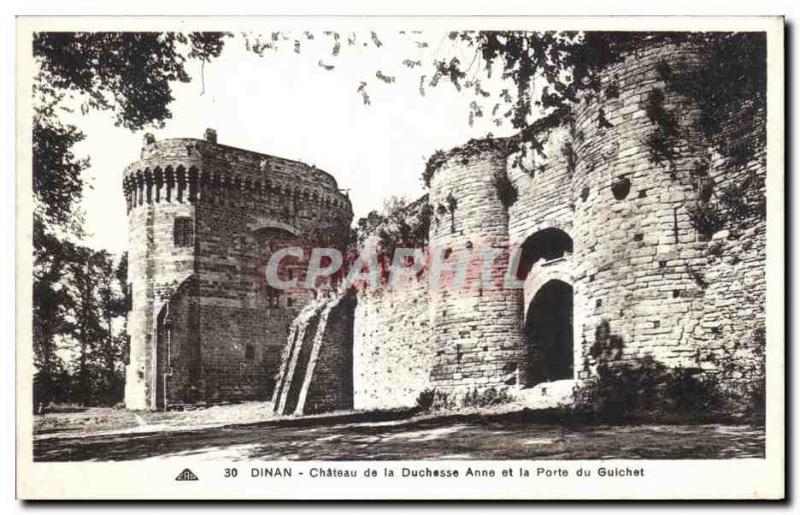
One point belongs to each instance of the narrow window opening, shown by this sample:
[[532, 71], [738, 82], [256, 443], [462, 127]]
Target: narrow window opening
[[183, 232], [129, 297]]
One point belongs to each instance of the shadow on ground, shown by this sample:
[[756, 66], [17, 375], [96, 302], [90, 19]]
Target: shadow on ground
[[483, 439]]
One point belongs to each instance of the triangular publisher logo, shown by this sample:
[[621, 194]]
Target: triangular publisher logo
[[186, 475]]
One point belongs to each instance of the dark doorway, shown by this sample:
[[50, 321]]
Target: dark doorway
[[549, 333], [547, 245]]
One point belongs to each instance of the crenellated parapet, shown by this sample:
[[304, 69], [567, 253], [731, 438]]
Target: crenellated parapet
[[190, 170], [179, 183]]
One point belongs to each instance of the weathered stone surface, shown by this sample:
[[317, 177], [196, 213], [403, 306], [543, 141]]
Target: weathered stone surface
[[637, 262], [641, 276]]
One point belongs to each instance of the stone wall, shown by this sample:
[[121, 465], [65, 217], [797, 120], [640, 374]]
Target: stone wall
[[316, 368], [155, 269], [640, 263], [392, 345], [642, 276], [641, 271], [373, 345], [177, 337], [330, 385], [544, 185], [635, 251]]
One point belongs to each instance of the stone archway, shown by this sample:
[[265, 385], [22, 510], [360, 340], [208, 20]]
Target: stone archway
[[544, 247], [549, 334], [546, 266]]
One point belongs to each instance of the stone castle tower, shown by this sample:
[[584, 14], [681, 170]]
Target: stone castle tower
[[203, 218]]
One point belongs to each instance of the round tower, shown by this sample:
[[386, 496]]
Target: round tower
[[160, 192], [475, 317], [641, 163]]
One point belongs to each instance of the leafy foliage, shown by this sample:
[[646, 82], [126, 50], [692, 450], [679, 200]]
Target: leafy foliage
[[96, 301], [738, 203], [742, 370], [745, 198], [204, 45], [431, 399], [731, 91], [50, 309], [706, 218], [506, 191], [128, 73], [473, 148], [544, 74], [434, 163], [400, 224], [487, 397], [425, 399], [642, 388], [571, 157], [78, 301], [57, 182], [661, 142], [565, 61]]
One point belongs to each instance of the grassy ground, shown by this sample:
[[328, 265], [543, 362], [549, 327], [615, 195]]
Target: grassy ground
[[99, 420]]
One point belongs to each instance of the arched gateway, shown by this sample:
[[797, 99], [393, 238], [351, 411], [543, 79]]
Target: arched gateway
[[548, 354], [548, 328]]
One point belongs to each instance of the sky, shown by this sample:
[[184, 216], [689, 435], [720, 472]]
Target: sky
[[287, 105]]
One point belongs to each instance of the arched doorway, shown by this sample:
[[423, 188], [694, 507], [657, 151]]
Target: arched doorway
[[548, 328], [543, 248]]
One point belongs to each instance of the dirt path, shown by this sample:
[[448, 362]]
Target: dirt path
[[419, 440]]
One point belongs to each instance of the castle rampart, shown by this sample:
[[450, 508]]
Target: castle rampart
[[617, 267], [603, 249]]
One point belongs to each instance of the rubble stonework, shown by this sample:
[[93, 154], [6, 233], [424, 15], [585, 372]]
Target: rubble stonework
[[641, 275], [609, 254]]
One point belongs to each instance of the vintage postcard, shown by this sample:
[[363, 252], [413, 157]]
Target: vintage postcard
[[400, 258]]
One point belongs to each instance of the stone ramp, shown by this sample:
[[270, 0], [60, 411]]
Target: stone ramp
[[310, 342], [291, 355]]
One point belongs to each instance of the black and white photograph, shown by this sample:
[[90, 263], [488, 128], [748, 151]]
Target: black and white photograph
[[475, 253]]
